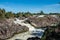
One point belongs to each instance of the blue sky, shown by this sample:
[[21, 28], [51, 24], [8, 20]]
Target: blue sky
[[30, 5]]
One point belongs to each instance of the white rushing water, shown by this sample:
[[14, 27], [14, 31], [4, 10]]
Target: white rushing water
[[24, 24], [31, 28], [26, 35]]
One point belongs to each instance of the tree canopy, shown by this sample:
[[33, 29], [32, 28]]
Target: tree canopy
[[4, 14]]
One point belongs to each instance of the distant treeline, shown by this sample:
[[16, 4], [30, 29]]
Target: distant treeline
[[4, 14]]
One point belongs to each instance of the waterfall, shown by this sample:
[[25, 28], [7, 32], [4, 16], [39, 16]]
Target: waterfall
[[21, 22]]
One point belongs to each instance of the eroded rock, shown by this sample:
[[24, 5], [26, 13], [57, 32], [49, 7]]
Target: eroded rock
[[43, 21], [8, 28]]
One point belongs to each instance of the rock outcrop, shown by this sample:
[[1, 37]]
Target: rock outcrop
[[49, 20], [8, 28], [54, 34]]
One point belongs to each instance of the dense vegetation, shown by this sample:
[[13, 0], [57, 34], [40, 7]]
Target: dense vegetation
[[52, 33], [4, 14]]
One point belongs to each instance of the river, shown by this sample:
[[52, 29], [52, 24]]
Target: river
[[33, 32]]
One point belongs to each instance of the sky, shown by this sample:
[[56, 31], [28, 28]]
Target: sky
[[33, 6]]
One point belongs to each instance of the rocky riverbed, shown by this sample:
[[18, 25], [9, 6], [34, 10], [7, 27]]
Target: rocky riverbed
[[8, 28]]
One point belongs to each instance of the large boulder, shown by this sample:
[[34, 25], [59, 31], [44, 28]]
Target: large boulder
[[8, 28], [43, 21]]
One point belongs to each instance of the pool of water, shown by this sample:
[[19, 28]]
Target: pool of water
[[38, 33], [28, 34]]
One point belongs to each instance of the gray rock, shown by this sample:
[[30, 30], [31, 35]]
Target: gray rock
[[8, 28], [43, 21]]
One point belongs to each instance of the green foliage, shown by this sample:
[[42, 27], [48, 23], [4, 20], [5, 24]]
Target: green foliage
[[9, 15], [27, 14], [4, 14], [41, 13], [19, 14], [54, 13]]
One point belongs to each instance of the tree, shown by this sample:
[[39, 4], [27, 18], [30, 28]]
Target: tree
[[2, 13], [9, 15], [19, 14], [41, 13], [54, 13], [27, 14]]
